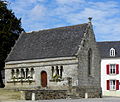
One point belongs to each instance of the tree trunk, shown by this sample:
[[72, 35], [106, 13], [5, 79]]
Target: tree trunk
[[1, 80]]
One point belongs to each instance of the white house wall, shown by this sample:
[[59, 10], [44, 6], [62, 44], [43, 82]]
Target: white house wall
[[105, 76]]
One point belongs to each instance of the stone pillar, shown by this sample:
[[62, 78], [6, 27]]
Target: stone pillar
[[22, 95], [69, 83], [52, 69], [29, 72], [86, 95], [19, 74], [14, 75], [25, 72], [59, 70], [33, 96], [34, 75], [55, 72]]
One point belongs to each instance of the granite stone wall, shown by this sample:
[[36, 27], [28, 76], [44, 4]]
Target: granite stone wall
[[45, 94], [92, 80], [72, 92], [70, 70]]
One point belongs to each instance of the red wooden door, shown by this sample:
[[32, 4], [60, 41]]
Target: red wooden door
[[43, 79]]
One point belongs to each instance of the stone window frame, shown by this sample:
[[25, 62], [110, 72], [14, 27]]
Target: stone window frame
[[90, 61], [20, 73], [57, 72]]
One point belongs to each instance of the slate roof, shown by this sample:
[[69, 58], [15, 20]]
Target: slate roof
[[51, 43], [104, 48]]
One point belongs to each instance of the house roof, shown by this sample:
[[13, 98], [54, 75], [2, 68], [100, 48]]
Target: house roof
[[104, 48], [51, 43]]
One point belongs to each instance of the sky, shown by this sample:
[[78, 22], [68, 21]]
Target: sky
[[45, 14]]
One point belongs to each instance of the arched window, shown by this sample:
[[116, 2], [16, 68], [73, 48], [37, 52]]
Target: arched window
[[89, 61], [57, 70], [17, 73], [13, 73], [32, 73], [52, 71], [112, 52], [27, 72]]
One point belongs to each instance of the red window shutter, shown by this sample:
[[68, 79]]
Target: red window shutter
[[108, 85], [117, 84], [117, 68], [107, 69]]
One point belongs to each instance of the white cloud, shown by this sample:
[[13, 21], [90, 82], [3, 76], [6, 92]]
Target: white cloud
[[70, 1], [97, 10], [108, 29], [39, 14], [103, 5], [31, 12], [106, 17], [41, 0]]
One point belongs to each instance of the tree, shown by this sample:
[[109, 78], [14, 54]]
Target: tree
[[10, 28]]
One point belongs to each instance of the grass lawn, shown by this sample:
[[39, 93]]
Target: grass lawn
[[6, 94]]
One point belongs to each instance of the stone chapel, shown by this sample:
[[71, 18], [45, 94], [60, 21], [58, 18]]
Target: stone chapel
[[64, 58]]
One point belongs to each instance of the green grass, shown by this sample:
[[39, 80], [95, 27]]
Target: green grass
[[6, 94]]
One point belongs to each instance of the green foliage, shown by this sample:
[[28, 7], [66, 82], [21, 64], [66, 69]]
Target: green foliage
[[10, 28]]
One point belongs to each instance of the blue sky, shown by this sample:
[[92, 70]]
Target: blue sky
[[44, 14]]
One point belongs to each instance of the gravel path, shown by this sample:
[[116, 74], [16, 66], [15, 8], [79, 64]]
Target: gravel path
[[75, 100]]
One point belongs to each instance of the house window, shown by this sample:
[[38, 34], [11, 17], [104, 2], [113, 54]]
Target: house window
[[89, 61], [112, 84], [112, 52], [112, 68]]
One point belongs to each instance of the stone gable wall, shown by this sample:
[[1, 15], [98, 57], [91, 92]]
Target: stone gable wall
[[84, 79]]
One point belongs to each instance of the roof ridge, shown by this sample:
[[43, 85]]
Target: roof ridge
[[56, 28], [106, 41]]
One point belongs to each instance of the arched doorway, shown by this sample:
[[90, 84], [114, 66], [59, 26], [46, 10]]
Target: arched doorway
[[43, 79]]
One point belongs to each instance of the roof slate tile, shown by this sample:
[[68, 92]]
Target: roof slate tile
[[51, 43], [104, 48]]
